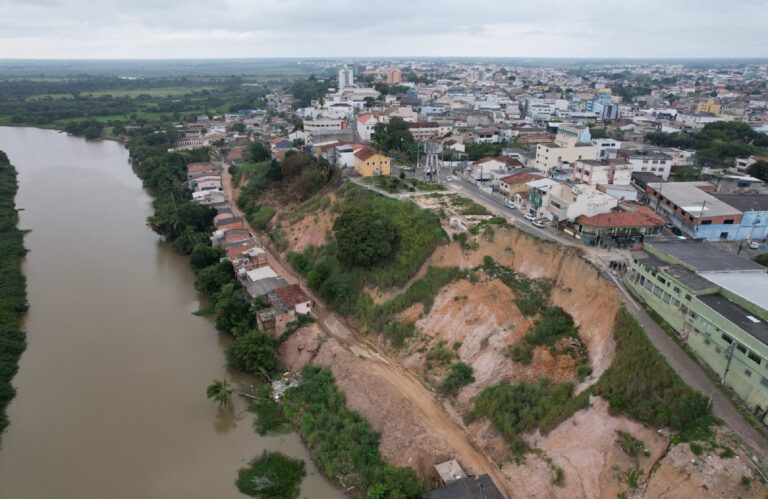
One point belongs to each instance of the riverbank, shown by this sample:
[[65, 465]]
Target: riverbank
[[13, 294]]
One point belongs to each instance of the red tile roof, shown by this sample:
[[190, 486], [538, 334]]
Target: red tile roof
[[365, 153], [521, 178], [641, 217], [291, 295]]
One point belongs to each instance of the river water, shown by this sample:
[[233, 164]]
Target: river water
[[111, 389]]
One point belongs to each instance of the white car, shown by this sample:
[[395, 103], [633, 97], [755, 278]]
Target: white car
[[449, 178], [530, 217], [540, 223], [754, 245], [509, 204]]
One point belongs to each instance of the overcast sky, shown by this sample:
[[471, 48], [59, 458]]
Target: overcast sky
[[358, 28]]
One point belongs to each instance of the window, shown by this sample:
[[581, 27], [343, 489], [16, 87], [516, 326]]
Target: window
[[741, 348], [677, 290], [764, 381], [706, 222], [688, 297], [727, 338], [728, 222], [718, 350], [747, 373], [661, 279], [754, 357], [707, 342]]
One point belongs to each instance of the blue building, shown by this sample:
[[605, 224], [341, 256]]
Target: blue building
[[754, 218]]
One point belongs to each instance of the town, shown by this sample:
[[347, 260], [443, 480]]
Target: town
[[657, 173]]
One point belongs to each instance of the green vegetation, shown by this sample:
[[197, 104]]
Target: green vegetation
[[633, 477], [631, 445], [640, 383], [531, 295], [716, 143], [342, 442], [552, 325], [269, 415], [261, 218], [339, 283], [363, 239], [759, 170], [13, 288], [559, 477], [746, 482], [395, 139], [463, 205], [220, 391], [254, 353], [762, 259], [272, 476], [394, 185], [518, 409], [305, 91], [696, 448], [460, 375]]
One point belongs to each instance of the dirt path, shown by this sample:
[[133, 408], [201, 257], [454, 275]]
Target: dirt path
[[423, 400]]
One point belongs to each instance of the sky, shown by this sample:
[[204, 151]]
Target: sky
[[106, 29]]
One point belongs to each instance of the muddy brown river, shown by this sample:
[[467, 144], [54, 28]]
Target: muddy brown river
[[111, 389]]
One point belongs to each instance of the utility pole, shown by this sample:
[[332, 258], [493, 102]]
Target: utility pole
[[730, 356]]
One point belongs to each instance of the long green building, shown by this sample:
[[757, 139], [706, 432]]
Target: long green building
[[717, 302]]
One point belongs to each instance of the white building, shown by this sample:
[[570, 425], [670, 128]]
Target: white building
[[572, 143], [594, 172], [565, 202], [648, 161], [346, 78], [366, 123]]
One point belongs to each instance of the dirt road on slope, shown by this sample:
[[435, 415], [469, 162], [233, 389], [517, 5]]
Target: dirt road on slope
[[424, 402]]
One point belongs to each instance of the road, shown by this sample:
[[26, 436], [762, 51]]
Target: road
[[424, 401], [689, 370]]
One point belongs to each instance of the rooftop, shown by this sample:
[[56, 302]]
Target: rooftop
[[642, 217], [701, 256], [752, 286], [745, 202], [740, 316], [691, 199], [481, 487]]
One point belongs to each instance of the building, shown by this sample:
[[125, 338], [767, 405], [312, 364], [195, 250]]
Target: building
[[567, 202], [369, 162], [288, 303], [623, 228], [754, 215], [572, 143], [518, 182], [716, 302], [394, 75], [708, 106], [480, 487], [366, 124], [648, 161], [424, 130], [346, 78], [693, 210], [322, 124], [608, 172]]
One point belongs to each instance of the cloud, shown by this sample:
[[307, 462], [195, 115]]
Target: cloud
[[358, 28]]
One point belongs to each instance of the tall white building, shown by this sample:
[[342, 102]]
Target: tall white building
[[346, 77]]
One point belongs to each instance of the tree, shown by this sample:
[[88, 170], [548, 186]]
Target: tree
[[461, 374], [364, 239], [211, 279], [203, 255], [239, 127], [258, 152], [394, 137], [254, 353], [220, 392], [759, 170], [232, 311], [762, 259]]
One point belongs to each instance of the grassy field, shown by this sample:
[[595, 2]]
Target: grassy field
[[134, 92]]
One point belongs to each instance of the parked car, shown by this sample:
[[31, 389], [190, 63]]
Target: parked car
[[529, 216], [540, 223], [509, 204], [449, 178], [754, 245]]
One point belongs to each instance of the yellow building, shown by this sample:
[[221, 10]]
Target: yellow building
[[708, 106], [369, 163]]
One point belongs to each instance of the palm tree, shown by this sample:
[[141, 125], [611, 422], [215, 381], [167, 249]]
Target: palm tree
[[220, 392]]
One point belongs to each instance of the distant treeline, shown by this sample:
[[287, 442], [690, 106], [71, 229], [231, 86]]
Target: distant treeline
[[13, 288]]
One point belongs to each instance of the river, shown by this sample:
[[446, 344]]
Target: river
[[111, 389]]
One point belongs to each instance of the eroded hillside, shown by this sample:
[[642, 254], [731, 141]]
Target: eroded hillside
[[482, 306]]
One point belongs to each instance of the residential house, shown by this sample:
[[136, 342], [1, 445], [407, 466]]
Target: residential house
[[366, 124], [369, 162], [565, 202], [594, 172], [648, 161], [288, 302], [572, 143], [628, 225], [517, 182], [261, 281]]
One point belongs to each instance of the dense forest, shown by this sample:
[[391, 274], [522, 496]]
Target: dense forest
[[13, 294]]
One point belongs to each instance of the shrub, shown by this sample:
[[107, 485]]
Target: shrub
[[641, 384], [461, 375], [363, 239], [261, 218], [632, 446], [254, 353], [272, 476]]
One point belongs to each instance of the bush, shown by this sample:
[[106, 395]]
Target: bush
[[272, 476], [640, 383], [254, 353], [762, 259], [342, 442], [461, 375], [363, 239], [261, 218], [269, 415], [631, 445], [518, 409]]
